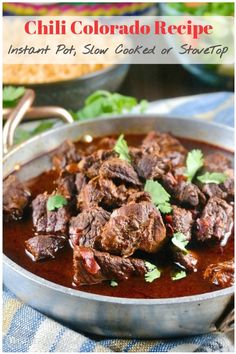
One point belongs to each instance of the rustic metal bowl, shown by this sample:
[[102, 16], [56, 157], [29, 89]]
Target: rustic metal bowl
[[113, 316]]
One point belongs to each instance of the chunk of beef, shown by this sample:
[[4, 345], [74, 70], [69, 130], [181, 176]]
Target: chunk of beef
[[182, 221], [189, 194], [80, 181], [223, 190], [90, 165], [118, 169], [44, 246], [216, 221], [103, 192], [138, 197], [165, 145], [184, 192], [216, 162], [91, 267], [131, 227], [16, 198], [151, 166], [66, 186], [65, 154], [150, 143], [49, 221], [86, 227], [186, 260], [220, 274]]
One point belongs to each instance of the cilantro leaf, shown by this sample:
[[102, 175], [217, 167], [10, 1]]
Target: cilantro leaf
[[214, 177], [194, 162], [104, 103], [179, 240], [178, 274], [121, 147], [56, 201], [113, 283], [22, 134], [159, 195], [11, 93], [152, 272]]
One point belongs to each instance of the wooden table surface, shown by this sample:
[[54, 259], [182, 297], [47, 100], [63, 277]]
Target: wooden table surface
[[154, 82]]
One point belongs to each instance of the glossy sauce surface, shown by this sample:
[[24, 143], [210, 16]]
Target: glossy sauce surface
[[60, 270]]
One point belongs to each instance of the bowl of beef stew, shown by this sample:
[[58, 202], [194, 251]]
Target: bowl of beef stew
[[124, 219]]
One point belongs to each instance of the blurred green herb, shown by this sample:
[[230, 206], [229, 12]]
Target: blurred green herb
[[194, 162], [11, 95], [178, 274], [121, 147], [214, 177], [22, 134], [152, 272], [113, 283], [204, 9], [179, 240], [159, 195], [104, 103], [56, 201]]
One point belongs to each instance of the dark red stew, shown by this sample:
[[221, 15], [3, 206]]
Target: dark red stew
[[136, 217]]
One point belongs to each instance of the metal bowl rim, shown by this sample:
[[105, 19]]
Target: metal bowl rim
[[79, 79], [102, 298]]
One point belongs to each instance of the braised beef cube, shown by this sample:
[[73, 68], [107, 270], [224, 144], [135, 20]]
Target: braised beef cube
[[151, 166], [216, 221], [103, 192], [114, 196], [66, 186], [44, 246], [90, 165], [216, 162], [189, 194], [138, 197], [91, 267], [186, 260], [16, 198], [49, 221], [220, 274], [87, 226], [65, 154], [90, 195], [118, 169], [166, 146], [213, 190], [182, 221], [184, 192], [80, 181], [223, 190], [133, 226], [228, 185], [150, 143]]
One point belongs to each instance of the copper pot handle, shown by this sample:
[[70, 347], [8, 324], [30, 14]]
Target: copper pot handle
[[24, 109]]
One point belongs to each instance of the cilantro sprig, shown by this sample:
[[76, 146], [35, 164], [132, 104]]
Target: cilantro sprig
[[159, 195], [104, 103], [214, 177], [56, 201], [178, 274], [121, 147], [179, 240], [11, 95], [113, 283], [152, 272], [194, 162]]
